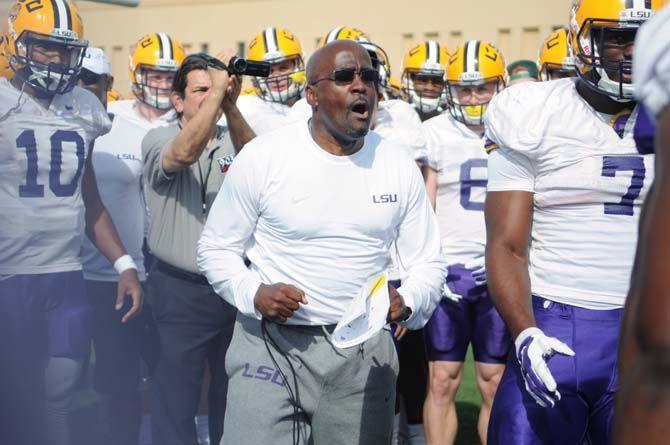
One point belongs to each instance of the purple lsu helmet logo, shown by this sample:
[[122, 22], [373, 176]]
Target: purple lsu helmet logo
[[385, 198]]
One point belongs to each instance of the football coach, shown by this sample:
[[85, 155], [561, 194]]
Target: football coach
[[316, 206]]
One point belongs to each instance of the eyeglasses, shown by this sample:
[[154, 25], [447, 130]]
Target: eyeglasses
[[347, 75]]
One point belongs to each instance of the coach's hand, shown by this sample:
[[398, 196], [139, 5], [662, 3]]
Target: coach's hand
[[277, 302], [533, 350], [398, 312], [129, 284]]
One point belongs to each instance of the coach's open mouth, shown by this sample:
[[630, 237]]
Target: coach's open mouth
[[360, 108]]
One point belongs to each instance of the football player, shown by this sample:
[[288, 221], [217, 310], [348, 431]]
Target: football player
[[565, 188], [555, 60], [456, 186], [117, 160], [48, 198], [268, 108], [643, 405], [423, 78]]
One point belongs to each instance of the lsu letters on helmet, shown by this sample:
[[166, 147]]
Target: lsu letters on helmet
[[555, 57], [474, 63], [154, 52], [5, 70], [428, 59], [380, 59], [37, 27], [278, 47], [591, 21]]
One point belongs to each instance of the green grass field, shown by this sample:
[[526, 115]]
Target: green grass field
[[468, 401]]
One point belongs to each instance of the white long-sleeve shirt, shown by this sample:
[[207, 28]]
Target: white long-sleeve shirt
[[323, 223]]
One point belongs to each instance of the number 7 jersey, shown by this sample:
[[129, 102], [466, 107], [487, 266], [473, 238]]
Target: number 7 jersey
[[42, 157], [588, 183]]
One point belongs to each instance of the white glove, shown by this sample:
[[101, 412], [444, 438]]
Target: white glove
[[533, 350], [453, 296], [478, 268]]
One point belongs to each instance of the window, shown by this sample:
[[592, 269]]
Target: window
[[504, 42], [241, 49], [455, 39], [204, 47], [530, 42], [432, 35]]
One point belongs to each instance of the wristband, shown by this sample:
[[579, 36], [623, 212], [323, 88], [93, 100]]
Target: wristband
[[124, 263]]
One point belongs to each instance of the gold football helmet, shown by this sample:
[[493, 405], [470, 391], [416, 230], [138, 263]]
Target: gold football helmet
[[45, 43], [287, 68], [595, 24], [555, 60], [474, 63], [154, 52], [427, 61]]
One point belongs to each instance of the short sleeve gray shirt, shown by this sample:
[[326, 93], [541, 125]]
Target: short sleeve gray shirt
[[178, 203]]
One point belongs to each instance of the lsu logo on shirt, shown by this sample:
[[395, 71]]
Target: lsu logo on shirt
[[384, 198]]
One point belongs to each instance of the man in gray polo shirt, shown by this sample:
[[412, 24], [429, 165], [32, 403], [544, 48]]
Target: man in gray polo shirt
[[184, 166]]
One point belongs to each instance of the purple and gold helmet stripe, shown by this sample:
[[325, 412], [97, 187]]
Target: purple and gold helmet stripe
[[62, 15]]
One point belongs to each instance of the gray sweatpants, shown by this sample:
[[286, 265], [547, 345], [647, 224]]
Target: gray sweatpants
[[344, 396]]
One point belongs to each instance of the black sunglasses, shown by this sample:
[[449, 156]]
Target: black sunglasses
[[347, 75]]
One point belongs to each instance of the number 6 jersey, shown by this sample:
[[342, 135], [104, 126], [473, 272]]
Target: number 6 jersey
[[42, 157], [588, 183], [457, 154]]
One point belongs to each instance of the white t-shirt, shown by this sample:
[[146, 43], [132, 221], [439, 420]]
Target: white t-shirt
[[396, 121], [42, 157], [588, 185], [457, 154], [651, 62], [262, 115], [117, 161], [323, 223]]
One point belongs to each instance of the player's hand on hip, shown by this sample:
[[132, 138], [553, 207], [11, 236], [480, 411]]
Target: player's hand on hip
[[533, 350], [397, 309], [478, 269], [129, 285], [449, 294], [277, 302]]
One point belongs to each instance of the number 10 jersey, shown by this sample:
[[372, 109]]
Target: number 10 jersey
[[42, 157], [588, 183]]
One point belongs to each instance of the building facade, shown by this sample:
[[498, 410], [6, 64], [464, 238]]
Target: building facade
[[517, 27]]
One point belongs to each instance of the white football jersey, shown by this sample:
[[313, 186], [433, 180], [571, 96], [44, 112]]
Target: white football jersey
[[457, 154], [588, 184], [651, 62], [262, 115], [42, 157], [117, 160], [396, 121]]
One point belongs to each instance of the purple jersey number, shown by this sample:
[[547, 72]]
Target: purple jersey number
[[31, 189], [614, 164], [467, 183]]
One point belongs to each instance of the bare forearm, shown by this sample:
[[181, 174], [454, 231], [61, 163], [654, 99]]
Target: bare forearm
[[101, 231], [240, 131], [194, 136], [509, 286]]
